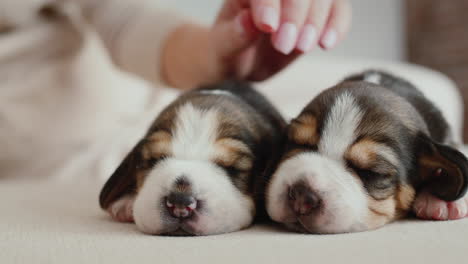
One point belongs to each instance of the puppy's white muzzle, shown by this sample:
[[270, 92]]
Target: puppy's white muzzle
[[343, 201]]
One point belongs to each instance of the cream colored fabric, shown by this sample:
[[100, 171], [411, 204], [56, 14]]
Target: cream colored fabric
[[134, 32], [59, 221]]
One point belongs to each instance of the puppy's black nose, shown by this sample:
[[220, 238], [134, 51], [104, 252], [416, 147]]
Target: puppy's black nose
[[180, 205], [302, 200]]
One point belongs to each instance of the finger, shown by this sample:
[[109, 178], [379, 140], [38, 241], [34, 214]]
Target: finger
[[231, 9], [338, 24], [293, 15], [266, 14], [318, 14], [235, 35], [269, 61], [245, 62]]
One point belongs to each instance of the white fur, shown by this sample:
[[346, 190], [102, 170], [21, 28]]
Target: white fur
[[195, 133], [67, 111], [339, 130], [122, 210], [217, 92], [225, 208], [344, 200], [373, 78]]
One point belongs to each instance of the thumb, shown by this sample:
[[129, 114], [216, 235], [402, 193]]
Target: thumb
[[233, 36]]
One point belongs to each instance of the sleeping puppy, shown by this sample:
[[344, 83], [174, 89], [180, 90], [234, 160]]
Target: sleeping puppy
[[359, 155], [194, 172]]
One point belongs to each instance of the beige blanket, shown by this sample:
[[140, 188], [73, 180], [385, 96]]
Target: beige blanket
[[59, 221]]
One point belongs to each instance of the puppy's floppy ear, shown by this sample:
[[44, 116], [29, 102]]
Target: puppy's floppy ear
[[442, 169], [124, 180]]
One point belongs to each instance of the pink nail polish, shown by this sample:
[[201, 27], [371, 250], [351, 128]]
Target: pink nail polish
[[269, 18], [329, 40], [286, 38], [308, 38]]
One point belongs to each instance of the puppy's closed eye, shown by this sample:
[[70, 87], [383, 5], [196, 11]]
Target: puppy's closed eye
[[380, 185], [233, 154], [157, 146]]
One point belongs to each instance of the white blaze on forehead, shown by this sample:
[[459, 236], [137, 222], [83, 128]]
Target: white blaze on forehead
[[373, 77], [340, 127], [217, 92], [194, 133]]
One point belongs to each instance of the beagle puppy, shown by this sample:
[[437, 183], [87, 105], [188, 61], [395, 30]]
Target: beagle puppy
[[359, 155], [196, 170]]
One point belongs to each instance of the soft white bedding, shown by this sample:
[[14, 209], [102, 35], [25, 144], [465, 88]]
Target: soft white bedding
[[59, 221]]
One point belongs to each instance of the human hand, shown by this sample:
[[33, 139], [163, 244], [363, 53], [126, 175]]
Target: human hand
[[258, 38], [253, 40]]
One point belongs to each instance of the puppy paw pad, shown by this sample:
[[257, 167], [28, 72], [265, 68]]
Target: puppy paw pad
[[427, 206], [122, 210]]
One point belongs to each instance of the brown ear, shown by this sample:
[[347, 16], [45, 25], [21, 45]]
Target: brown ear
[[124, 180], [442, 169]]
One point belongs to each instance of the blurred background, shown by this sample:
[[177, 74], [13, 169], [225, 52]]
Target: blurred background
[[433, 33]]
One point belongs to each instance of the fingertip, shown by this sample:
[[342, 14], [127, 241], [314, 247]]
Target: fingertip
[[329, 39], [266, 19], [244, 26], [285, 39], [307, 39], [338, 24], [248, 24], [234, 36]]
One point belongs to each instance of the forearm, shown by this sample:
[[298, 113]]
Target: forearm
[[135, 33]]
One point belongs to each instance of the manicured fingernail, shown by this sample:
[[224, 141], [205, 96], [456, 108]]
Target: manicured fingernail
[[329, 40], [286, 38], [269, 18], [308, 38]]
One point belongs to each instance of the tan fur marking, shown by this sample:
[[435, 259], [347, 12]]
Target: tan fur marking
[[365, 153], [404, 199], [380, 212], [158, 144], [303, 130], [232, 152], [362, 153], [392, 208]]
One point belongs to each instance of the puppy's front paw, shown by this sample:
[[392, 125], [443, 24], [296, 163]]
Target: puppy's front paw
[[427, 206], [122, 209]]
